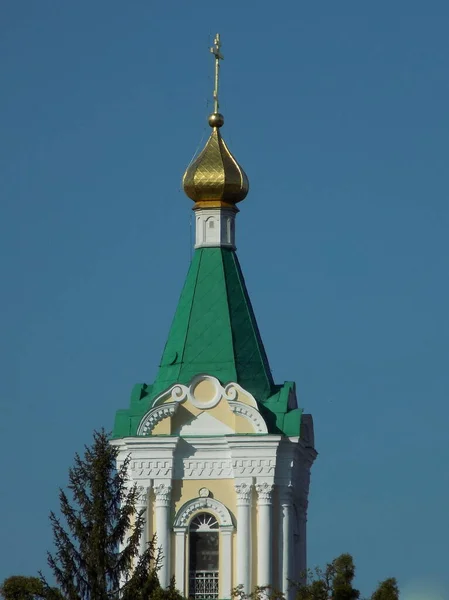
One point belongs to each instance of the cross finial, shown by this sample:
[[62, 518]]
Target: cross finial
[[218, 56]]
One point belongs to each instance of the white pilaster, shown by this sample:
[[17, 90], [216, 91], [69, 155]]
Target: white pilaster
[[285, 546], [244, 491], [143, 505], [226, 562], [163, 494], [264, 534], [180, 559], [215, 227]]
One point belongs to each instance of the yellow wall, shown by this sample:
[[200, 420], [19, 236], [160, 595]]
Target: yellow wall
[[185, 490]]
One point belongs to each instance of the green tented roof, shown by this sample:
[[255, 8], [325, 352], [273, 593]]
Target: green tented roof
[[215, 332]]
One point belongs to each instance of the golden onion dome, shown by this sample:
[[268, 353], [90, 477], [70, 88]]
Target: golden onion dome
[[214, 178]]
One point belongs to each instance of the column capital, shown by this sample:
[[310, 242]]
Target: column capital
[[142, 496], [162, 492], [264, 492], [243, 491]]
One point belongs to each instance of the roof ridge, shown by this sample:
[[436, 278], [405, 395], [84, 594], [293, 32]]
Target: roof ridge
[[225, 275], [260, 348], [191, 309]]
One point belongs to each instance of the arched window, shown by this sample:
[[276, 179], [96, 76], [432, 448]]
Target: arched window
[[203, 557]]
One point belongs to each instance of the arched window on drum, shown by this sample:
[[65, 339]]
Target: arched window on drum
[[203, 557]]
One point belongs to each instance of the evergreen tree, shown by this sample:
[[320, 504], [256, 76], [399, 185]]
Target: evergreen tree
[[97, 538], [97, 548]]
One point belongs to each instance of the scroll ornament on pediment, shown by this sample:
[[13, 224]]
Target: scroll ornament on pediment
[[204, 392]]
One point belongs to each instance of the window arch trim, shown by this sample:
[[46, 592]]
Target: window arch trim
[[189, 509]]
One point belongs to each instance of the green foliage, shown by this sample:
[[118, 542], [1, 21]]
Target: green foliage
[[18, 587], [97, 538], [332, 583], [100, 518], [260, 593], [387, 590]]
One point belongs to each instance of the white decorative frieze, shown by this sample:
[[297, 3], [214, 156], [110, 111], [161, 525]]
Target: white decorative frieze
[[149, 469], [244, 467], [204, 469]]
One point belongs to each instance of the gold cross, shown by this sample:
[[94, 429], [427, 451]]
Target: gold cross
[[218, 56]]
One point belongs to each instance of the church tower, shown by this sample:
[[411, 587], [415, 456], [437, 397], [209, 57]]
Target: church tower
[[221, 454]]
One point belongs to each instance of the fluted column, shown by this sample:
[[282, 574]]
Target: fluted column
[[163, 494], [264, 534], [286, 539], [244, 491]]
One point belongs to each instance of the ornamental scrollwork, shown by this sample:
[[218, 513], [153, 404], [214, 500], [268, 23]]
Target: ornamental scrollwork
[[243, 491], [264, 492], [162, 492]]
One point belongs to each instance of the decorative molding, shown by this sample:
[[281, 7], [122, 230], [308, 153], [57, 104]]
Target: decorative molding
[[227, 468], [264, 492], [180, 393], [154, 416], [244, 467], [162, 492], [232, 390], [186, 511], [165, 405], [205, 469], [243, 491], [150, 469], [250, 414]]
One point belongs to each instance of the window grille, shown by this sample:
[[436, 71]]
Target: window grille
[[203, 563], [203, 585]]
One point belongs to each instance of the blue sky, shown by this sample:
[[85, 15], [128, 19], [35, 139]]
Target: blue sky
[[338, 113]]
